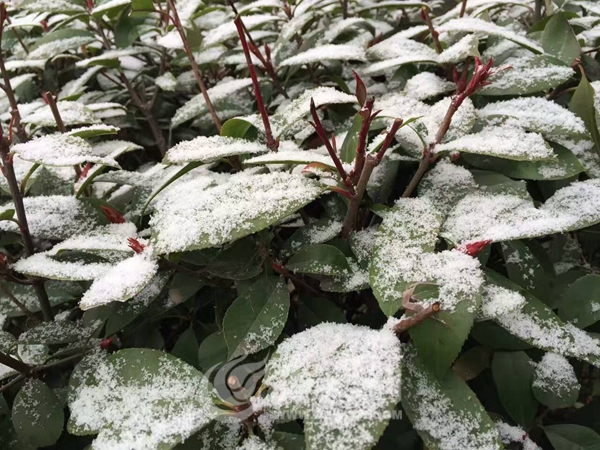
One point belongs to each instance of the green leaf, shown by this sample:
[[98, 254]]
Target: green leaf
[[495, 337], [565, 165], [316, 310], [37, 414], [554, 382], [472, 362], [572, 437], [582, 104], [212, 351], [137, 392], [317, 232], [528, 76], [344, 405], [513, 375], [7, 214], [237, 128], [126, 31], [242, 260], [255, 320], [348, 149], [439, 339], [524, 269], [186, 347], [558, 39], [581, 303], [446, 413], [63, 39], [320, 259]]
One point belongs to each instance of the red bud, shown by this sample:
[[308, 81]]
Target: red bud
[[361, 89], [112, 215], [105, 343], [474, 248], [45, 26], [135, 245], [85, 171]]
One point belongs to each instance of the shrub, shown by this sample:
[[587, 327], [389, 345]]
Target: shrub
[[318, 224]]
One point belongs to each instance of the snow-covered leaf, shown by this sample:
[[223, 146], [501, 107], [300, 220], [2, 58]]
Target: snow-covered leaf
[[59, 41], [322, 53], [71, 113], [554, 382], [137, 398], [208, 149], [232, 210], [61, 150], [319, 259], [343, 405], [255, 319]]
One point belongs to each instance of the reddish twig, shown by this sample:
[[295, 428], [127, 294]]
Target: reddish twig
[[463, 8], [367, 117], [15, 364], [434, 34], [410, 321], [318, 126], [272, 143], [365, 176], [480, 78]]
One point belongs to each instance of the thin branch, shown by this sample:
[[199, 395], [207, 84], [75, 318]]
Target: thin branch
[[272, 143], [9, 173], [12, 382], [10, 94], [18, 36], [463, 8], [318, 126], [13, 363], [359, 162], [365, 176], [51, 101], [147, 113], [434, 34], [344, 4], [195, 69]]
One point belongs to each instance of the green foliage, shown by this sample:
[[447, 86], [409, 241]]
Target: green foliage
[[195, 254]]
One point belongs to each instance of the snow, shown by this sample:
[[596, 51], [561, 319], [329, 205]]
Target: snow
[[110, 4], [425, 85], [208, 149], [503, 142], [497, 300], [155, 408], [166, 81], [42, 265], [71, 113], [109, 55], [60, 150], [196, 106], [473, 25], [229, 31], [292, 156], [111, 238], [48, 50], [122, 281], [24, 64], [52, 217], [326, 53], [403, 254], [467, 46], [77, 86], [343, 378], [534, 114], [512, 433], [219, 214], [450, 424], [446, 184], [554, 373], [480, 216]]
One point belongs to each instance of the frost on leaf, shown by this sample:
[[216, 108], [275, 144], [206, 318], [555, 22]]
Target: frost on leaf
[[121, 282], [208, 149], [403, 256], [71, 113], [61, 150], [344, 405], [504, 217], [426, 84], [446, 184], [326, 53], [138, 399], [502, 142], [217, 94], [555, 383], [54, 217], [445, 412], [221, 214]]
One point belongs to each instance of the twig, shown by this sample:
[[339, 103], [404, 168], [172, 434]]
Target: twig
[[344, 4], [19, 304], [434, 34], [9, 173], [365, 176], [195, 69], [147, 113], [481, 74], [410, 321], [12, 382], [13, 363], [463, 8], [318, 126], [10, 94], [271, 142], [359, 162]]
